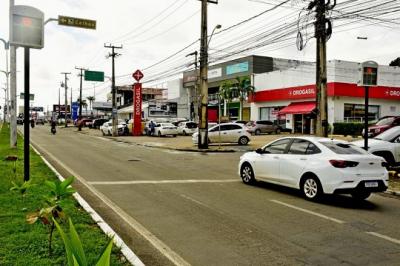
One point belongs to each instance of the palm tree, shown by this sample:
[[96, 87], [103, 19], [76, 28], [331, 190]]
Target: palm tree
[[244, 87], [226, 93], [91, 100], [84, 104]]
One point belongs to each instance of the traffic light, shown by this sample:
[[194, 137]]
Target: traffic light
[[368, 74], [26, 29]]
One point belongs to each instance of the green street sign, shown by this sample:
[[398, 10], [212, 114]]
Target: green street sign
[[77, 22], [94, 75], [31, 96]]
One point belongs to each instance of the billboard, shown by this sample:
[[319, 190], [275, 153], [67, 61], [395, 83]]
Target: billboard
[[165, 109]]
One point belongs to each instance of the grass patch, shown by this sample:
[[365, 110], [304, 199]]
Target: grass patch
[[25, 244]]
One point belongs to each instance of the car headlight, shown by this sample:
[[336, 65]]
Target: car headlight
[[377, 130]]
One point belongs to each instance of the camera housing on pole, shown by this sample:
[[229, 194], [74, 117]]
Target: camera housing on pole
[[27, 27], [368, 77]]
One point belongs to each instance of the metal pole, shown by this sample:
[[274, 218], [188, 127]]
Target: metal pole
[[13, 88], [113, 90], [219, 121], [366, 118], [59, 103], [203, 116], [26, 113], [66, 96]]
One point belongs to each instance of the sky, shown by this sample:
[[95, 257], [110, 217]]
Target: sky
[[151, 30]]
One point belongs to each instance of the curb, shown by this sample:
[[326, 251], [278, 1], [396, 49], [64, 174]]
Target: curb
[[392, 192], [125, 250]]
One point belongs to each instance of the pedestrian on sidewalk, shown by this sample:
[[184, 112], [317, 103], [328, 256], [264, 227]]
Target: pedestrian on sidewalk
[[151, 125]]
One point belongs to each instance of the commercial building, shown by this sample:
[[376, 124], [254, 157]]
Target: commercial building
[[287, 97], [219, 73]]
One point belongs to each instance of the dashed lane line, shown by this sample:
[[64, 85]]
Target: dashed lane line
[[139, 182], [388, 238], [309, 212]]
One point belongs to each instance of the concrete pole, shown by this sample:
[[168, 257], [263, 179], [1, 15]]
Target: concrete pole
[[13, 89]]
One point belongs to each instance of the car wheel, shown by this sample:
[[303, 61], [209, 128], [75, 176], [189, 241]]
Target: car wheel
[[247, 174], [257, 132], [311, 188], [243, 140], [278, 131], [184, 133], [159, 133], [360, 195]]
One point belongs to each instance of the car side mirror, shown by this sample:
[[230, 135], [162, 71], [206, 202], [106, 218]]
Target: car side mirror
[[259, 151]]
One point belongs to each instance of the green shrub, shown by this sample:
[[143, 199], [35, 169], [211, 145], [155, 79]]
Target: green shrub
[[351, 129]]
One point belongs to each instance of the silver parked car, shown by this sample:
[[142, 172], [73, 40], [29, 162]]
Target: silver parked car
[[263, 126]]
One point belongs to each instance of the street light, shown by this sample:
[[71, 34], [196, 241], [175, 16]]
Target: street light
[[217, 27]]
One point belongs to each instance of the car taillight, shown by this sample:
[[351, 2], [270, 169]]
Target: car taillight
[[343, 164], [385, 164]]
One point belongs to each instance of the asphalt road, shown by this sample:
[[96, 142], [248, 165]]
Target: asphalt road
[[191, 208]]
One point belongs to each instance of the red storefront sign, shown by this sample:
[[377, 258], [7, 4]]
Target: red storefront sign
[[137, 109], [334, 89]]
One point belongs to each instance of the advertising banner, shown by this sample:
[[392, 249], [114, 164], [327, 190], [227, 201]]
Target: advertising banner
[[137, 109]]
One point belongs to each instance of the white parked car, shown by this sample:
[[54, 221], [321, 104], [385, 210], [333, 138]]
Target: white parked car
[[107, 129], [164, 129], [187, 128], [386, 145], [316, 166], [226, 133]]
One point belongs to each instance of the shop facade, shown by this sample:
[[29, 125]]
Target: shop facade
[[288, 97], [219, 73]]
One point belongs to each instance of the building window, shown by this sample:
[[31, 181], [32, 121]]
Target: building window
[[355, 112], [269, 113]]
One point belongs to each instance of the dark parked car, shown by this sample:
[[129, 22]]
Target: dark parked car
[[97, 123], [383, 124]]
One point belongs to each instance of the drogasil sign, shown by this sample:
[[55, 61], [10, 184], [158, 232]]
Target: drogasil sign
[[300, 92]]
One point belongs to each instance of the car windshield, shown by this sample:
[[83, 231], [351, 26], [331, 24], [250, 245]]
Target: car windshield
[[191, 125], [389, 134], [167, 125], [385, 121], [343, 147]]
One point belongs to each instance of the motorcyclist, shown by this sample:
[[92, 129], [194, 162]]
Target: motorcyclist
[[32, 123], [53, 126]]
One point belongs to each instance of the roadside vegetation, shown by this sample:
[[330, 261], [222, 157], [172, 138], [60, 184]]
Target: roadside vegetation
[[30, 211]]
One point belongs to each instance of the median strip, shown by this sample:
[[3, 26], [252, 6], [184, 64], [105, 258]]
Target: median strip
[[139, 182]]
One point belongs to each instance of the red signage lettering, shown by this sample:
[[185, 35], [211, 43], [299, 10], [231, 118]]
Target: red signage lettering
[[137, 109]]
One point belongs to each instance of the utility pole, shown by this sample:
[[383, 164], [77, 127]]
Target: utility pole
[[66, 95], [321, 34], [196, 93], [80, 93], [114, 106], [71, 105], [13, 87], [59, 101]]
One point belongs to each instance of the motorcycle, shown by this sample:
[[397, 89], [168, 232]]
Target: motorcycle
[[53, 130]]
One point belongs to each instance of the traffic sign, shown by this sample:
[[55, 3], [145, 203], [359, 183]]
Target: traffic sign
[[77, 22], [94, 75], [31, 96], [137, 75]]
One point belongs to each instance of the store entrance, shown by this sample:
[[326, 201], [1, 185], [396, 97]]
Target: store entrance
[[302, 123]]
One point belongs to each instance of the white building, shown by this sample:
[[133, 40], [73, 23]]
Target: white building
[[288, 96]]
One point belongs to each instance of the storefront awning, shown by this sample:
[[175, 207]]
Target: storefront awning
[[298, 108]]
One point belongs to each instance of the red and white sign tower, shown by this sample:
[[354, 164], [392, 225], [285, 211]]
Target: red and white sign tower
[[137, 104]]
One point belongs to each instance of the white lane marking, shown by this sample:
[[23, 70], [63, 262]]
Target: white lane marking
[[138, 182], [157, 243], [309, 212], [388, 238]]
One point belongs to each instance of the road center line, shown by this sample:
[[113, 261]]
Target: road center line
[[309, 212], [139, 182], [388, 238]]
